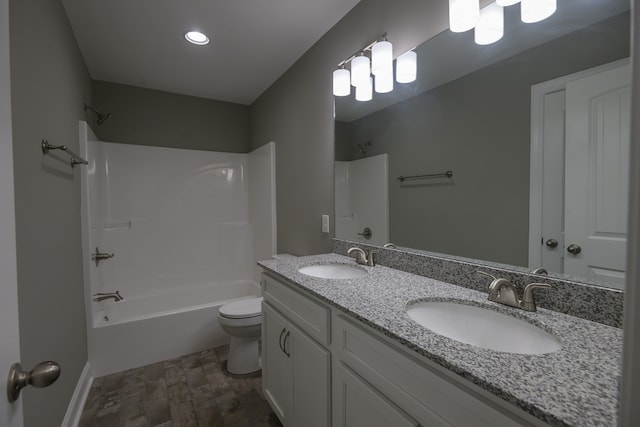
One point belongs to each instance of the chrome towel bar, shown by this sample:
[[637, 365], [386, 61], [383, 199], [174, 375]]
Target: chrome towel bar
[[447, 174], [75, 159]]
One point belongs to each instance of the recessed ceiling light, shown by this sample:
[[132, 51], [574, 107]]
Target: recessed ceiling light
[[196, 37]]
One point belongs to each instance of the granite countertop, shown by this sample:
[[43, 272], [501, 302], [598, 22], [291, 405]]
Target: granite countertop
[[577, 385]]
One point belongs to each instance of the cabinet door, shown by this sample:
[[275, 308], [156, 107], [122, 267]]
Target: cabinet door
[[311, 380], [276, 366], [356, 403]]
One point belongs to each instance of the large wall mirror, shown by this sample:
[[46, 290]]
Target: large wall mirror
[[534, 129]]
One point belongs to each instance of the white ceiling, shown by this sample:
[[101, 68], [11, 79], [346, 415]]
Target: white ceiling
[[253, 42]]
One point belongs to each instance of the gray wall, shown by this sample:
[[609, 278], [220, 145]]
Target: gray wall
[[151, 117], [297, 113], [49, 84], [478, 126]]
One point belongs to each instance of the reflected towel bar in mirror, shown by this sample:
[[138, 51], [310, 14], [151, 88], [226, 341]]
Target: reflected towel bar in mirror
[[75, 159], [447, 174]]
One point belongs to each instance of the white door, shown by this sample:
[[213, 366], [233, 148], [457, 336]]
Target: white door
[[597, 175], [10, 413]]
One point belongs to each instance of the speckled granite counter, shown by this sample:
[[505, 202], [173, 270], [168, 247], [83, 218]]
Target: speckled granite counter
[[577, 385]]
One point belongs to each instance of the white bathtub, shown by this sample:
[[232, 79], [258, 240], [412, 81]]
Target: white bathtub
[[144, 330]]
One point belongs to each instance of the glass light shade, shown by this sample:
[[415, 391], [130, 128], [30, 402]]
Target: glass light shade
[[406, 67], [364, 92], [537, 10], [341, 82], [360, 71], [490, 26], [504, 3], [384, 82], [382, 58], [463, 14]]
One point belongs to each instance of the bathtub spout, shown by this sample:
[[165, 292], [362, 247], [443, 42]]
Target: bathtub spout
[[109, 295]]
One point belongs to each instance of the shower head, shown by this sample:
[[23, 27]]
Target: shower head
[[101, 117]]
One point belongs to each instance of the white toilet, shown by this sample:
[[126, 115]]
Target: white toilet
[[242, 319]]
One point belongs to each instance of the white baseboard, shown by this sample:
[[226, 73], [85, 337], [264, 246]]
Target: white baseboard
[[74, 410]]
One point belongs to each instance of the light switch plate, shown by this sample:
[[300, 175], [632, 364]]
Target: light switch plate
[[325, 223]]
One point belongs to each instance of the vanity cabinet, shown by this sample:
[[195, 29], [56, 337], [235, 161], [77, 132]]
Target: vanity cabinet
[[296, 366], [322, 367]]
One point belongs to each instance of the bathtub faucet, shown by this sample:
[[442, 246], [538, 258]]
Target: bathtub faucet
[[103, 296]]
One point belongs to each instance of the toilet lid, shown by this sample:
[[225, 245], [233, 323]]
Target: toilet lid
[[248, 307]]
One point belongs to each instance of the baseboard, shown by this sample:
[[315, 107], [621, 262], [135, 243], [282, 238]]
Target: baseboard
[[74, 410]]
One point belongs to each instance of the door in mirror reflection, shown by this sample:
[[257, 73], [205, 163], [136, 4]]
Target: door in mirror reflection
[[584, 128], [362, 200]]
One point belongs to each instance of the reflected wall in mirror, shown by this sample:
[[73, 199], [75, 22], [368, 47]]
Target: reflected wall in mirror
[[470, 111]]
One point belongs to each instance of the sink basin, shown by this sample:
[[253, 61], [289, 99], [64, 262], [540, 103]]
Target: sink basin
[[334, 271], [483, 327]]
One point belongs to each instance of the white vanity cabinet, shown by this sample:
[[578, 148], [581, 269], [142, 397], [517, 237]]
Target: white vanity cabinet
[[322, 367], [296, 367]]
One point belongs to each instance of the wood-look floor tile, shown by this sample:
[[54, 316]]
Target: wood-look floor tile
[[157, 411], [183, 415], [196, 377], [210, 417], [202, 397], [155, 389]]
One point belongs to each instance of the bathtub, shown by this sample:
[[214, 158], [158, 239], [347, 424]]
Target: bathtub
[[156, 327]]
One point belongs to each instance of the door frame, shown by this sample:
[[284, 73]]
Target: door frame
[[536, 164], [10, 413]]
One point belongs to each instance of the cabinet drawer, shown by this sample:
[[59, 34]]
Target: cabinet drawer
[[308, 315], [422, 390]]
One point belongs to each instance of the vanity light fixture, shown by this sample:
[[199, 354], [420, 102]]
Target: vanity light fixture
[[196, 37], [366, 74], [490, 26], [463, 15], [407, 67], [364, 92], [537, 10]]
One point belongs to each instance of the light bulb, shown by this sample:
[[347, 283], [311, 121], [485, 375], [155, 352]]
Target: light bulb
[[536, 10], [341, 82], [463, 14], [384, 82], [504, 3], [490, 26]]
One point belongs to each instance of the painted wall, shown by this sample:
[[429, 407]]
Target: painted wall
[[476, 214], [151, 117], [49, 83], [297, 113]]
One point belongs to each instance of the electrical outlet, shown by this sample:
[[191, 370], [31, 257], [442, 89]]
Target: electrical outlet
[[325, 223]]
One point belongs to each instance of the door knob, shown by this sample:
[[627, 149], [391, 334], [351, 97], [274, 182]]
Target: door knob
[[551, 243], [42, 375], [574, 249]]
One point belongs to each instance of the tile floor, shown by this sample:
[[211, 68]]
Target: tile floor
[[188, 391]]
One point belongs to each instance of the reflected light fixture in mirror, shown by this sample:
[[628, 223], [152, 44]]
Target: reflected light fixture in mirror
[[536, 10], [360, 70], [490, 26], [364, 92], [463, 15], [407, 67], [366, 74]]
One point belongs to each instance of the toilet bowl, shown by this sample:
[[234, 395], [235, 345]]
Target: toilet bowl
[[242, 319]]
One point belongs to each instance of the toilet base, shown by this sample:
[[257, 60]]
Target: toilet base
[[244, 355]]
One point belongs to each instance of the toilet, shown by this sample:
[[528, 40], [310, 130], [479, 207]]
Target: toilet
[[242, 319]]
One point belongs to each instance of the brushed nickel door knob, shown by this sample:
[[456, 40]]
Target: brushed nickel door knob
[[551, 243], [574, 249], [42, 375]]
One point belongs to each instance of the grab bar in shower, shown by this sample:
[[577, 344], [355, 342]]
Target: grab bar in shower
[[447, 174], [75, 159]]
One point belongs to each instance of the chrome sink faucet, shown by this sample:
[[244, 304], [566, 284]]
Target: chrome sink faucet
[[108, 295], [362, 257], [504, 292]]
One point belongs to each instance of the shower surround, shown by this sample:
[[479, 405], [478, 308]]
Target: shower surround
[[182, 227]]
